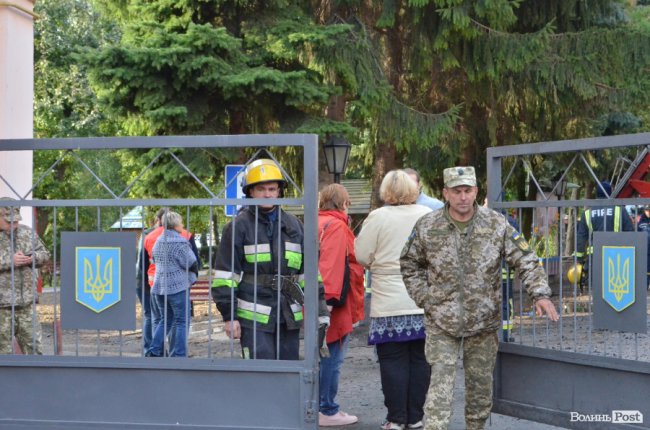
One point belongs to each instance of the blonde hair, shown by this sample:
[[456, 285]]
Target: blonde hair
[[398, 188], [333, 197]]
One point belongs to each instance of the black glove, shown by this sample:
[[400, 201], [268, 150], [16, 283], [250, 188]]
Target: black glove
[[293, 291], [584, 278]]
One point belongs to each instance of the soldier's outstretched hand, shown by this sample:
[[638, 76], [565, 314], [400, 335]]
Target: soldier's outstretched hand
[[545, 306]]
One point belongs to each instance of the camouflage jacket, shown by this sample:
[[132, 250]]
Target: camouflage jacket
[[25, 277], [456, 276]]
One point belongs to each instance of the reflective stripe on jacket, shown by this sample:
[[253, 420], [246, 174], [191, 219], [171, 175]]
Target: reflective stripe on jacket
[[258, 247], [606, 218]]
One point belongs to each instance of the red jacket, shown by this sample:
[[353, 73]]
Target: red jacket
[[149, 241], [337, 241]]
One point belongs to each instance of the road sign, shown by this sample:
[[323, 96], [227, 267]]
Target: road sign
[[234, 178]]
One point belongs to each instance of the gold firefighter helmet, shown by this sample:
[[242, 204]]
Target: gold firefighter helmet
[[574, 273], [260, 171]]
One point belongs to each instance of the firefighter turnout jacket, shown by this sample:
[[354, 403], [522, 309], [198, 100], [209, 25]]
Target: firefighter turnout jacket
[[245, 286], [606, 218]]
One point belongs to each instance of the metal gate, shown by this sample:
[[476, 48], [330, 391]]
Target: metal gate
[[109, 383], [567, 374]]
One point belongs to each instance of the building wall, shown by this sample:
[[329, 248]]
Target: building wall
[[16, 96]]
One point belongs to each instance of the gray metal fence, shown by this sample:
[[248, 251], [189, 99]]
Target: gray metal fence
[[100, 378], [569, 373]]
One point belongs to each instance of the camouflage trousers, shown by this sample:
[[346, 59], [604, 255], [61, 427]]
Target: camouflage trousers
[[479, 356], [26, 330]]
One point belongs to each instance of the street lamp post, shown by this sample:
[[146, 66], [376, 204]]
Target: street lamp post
[[337, 152]]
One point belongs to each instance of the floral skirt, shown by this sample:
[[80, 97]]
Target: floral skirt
[[399, 328]]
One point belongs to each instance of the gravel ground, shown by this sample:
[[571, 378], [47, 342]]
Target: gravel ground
[[360, 389], [207, 338], [360, 393]]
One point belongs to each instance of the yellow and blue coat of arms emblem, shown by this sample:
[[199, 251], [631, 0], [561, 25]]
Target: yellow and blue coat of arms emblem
[[618, 276], [97, 277]]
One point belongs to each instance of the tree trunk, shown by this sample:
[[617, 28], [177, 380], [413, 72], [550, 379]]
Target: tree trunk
[[386, 152], [237, 124], [529, 213], [335, 112], [385, 156], [569, 243], [325, 12]]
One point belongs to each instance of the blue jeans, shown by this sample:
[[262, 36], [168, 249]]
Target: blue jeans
[[158, 315], [144, 295], [330, 370], [177, 317]]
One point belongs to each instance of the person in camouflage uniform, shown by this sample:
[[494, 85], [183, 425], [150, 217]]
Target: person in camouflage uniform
[[21, 251], [451, 266]]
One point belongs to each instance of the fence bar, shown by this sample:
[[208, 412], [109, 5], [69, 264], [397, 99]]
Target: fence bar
[[573, 357], [215, 360]]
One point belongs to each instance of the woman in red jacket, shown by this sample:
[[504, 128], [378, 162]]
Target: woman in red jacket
[[337, 266]]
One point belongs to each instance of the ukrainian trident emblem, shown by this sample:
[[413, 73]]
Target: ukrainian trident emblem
[[97, 277], [618, 276]]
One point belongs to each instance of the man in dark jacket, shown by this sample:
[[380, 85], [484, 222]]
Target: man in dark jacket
[[600, 218], [644, 225], [259, 271]]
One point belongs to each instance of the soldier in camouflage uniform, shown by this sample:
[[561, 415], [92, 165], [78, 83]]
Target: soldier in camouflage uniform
[[451, 266], [21, 251]]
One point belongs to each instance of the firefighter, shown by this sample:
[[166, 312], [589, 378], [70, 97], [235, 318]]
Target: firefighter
[[507, 302], [507, 282], [599, 218], [644, 225], [249, 291]]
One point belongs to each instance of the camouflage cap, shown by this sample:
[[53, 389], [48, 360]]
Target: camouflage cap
[[457, 176], [6, 211]]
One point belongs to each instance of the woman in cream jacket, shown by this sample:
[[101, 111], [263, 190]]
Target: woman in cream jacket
[[397, 324]]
